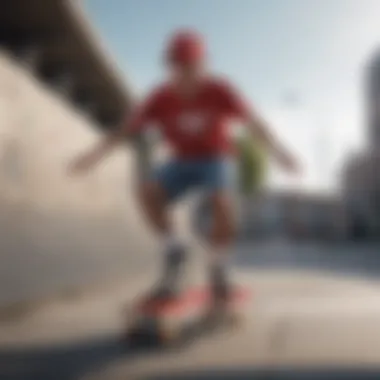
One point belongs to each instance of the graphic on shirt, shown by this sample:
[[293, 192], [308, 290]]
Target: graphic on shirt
[[192, 123]]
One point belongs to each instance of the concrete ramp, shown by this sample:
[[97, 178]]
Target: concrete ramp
[[58, 232]]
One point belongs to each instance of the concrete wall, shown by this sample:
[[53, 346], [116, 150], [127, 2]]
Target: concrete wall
[[56, 230]]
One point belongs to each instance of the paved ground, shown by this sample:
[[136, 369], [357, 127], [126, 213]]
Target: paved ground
[[297, 318], [20, 273], [307, 310]]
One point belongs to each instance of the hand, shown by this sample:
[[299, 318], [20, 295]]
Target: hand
[[86, 161], [288, 163], [82, 164]]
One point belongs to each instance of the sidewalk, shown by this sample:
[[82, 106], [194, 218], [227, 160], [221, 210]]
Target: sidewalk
[[295, 319]]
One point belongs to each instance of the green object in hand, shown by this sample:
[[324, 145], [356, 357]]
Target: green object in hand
[[252, 163]]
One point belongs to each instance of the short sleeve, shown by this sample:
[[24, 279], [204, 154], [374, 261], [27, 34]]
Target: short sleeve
[[234, 103]]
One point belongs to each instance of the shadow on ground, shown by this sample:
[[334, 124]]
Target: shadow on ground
[[67, 362], [74, 361], [268, 374]]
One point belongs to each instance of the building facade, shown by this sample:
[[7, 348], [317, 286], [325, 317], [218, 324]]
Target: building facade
[[361, 174], [295, 216]]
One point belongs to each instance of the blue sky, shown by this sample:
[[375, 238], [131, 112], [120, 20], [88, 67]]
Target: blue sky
[[313, 49]]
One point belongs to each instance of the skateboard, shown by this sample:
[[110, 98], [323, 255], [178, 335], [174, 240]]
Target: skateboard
[[166, 322]]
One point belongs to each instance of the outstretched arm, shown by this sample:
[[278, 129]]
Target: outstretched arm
[[97, 153], [259, 129], [237, 107], [130, 127]]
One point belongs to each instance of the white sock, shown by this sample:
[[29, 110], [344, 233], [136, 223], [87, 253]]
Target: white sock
[[219, 258]]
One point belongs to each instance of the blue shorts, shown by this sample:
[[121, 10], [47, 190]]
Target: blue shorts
[[178, 177]]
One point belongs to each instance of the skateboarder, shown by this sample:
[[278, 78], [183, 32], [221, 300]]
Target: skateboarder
[[193, 110]]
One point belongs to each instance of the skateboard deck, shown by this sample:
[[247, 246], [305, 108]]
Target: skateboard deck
[[191, 314]]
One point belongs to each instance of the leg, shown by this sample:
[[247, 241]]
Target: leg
[[167, 184], [154, 203], [223, 215], [222, 235], [219, 180]]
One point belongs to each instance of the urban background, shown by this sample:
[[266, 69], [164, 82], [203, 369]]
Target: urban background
[[59, 91]]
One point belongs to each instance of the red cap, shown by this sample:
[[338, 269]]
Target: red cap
[[186, 47]]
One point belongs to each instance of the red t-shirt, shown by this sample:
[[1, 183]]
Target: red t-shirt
[[196, 127]]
